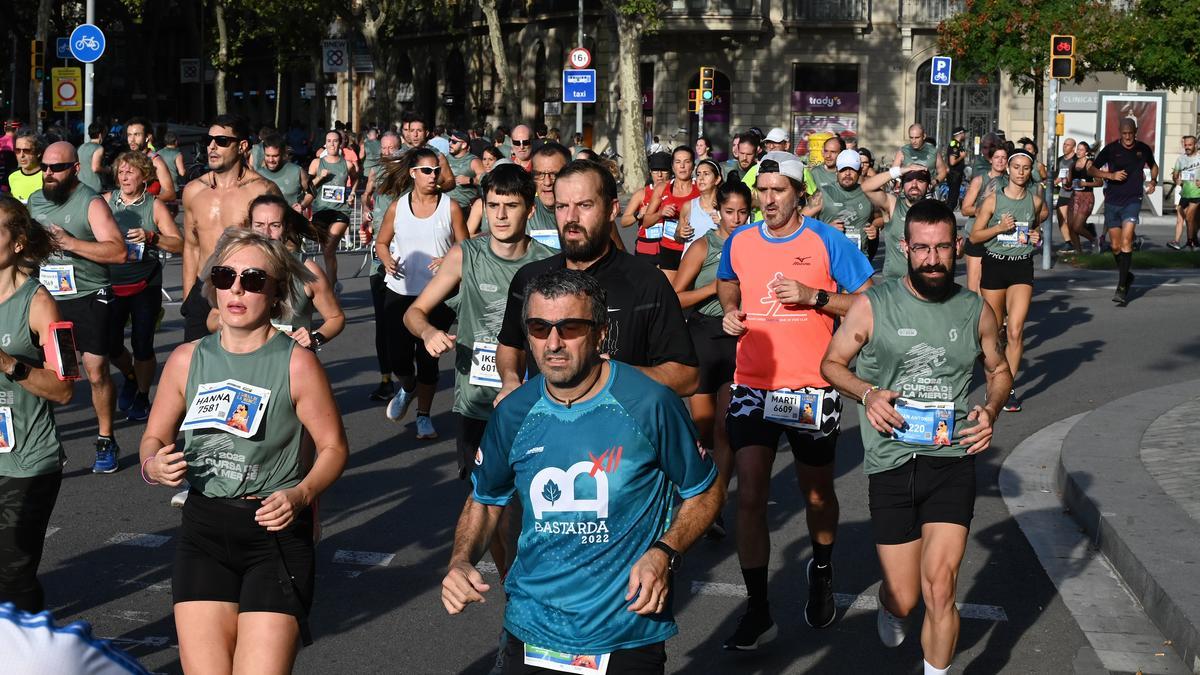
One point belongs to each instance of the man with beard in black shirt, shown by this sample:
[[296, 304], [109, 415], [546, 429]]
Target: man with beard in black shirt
[[646, 325], [1120, 164]]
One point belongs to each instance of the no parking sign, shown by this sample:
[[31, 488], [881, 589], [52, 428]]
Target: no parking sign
[[66, 86]]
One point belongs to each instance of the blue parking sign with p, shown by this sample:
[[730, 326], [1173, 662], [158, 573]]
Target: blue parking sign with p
[[940, 73]]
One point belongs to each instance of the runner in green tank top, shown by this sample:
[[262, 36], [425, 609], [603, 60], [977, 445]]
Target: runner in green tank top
[[243, 397], [1013, 218], [173, 158], [291, 179], [914, 185], [467, 169], [89, 241], [696, 285], [844, 205], [139, 135], [916, 341], [333, 183], [31, 456], [983, 185], [270, 216], [919, 150], [148, 228], [379, 201], [91, 155]]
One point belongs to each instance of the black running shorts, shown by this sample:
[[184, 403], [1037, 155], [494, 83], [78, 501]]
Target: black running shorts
[[922, 490]]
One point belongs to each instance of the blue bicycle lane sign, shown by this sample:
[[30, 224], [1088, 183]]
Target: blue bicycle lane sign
[[87, 43]]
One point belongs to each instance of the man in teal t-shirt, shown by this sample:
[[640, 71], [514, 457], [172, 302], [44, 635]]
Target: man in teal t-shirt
[[595, 451]]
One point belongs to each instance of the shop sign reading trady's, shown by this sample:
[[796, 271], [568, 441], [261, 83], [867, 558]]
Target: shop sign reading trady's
[[824, 101]]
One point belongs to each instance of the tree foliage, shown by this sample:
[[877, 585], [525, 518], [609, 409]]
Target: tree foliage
[[1161, 50], [1013, 36]]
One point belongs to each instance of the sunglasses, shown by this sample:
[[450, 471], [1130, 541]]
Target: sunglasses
[[254, 280], [221, 141], [57, 166], [521, 144], [23, 151], [568, 329], [427, 170]]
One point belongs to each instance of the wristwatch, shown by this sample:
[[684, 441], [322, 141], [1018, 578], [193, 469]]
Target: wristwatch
[[822, 298], [318, 340], [674, 559], [20, 371]]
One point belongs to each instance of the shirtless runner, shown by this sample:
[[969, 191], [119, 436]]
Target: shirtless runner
[[217, 200]]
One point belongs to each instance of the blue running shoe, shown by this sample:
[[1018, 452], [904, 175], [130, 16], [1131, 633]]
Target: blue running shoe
[[140, 410], [106, 455], [397, 408], [129, 391]]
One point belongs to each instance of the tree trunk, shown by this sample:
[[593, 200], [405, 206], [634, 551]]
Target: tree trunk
[[629, 56], [502, 94], [36, 87], [222, 60]]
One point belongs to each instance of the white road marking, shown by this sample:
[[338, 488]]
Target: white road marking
[[364, 558], [487, 567], [140, 540], [866, 602], [50, 531], [151, 641], [130, 615]]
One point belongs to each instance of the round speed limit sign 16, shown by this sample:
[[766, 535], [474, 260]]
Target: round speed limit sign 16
[[580, 57]]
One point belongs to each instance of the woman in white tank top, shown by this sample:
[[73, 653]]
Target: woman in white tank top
[[417, 231], [699, 215]]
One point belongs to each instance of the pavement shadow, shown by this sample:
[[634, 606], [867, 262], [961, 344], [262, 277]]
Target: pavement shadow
[[1050, 368]]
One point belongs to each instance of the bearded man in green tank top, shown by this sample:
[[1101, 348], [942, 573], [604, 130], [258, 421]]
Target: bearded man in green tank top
[[83, 226], [914, 185], [916, 340], [292, 181], [467, 169]]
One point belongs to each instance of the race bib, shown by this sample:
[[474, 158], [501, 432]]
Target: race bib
[[333, 193], [134, 251], [798, 409], [284, 328], [1018, 236], [547, 237], [855, 238], [483, 366], [1190, 174], [8, 440], [653, 232], [1077, 184], [58, 279], [670, 227], [562, 662], [231, 406], [925, 423]]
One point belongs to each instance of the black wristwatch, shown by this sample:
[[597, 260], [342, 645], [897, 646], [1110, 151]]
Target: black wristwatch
[[318, 340], [674, 559], [822, 298], [20, 371]]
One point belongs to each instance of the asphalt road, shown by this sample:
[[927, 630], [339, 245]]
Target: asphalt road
[[388, 522]]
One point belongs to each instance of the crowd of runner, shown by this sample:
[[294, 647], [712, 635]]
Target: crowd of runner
[[749, 314]]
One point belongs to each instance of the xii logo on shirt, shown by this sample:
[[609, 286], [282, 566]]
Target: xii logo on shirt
[[555, 490]]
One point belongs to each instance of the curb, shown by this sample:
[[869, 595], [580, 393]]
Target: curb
[[1151, 542]]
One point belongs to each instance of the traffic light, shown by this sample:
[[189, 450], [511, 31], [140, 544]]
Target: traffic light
[[37, 60], [707, 74], [1062, 57], [693, 100]]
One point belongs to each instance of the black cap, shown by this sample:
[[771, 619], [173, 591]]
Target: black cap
[[958, 130], [660, 161], [461, 135]]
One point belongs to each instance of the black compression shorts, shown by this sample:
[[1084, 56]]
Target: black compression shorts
[[1001, 273], [90, 314], [715, 349]]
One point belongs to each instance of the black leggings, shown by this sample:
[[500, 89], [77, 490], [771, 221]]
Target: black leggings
[[403, 347], [25, 507], [378, 293], [141, 311]]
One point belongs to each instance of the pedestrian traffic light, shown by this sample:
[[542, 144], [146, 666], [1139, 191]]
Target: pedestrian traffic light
[[37, 53], [693, 100], [707, 74], [1062, 56]]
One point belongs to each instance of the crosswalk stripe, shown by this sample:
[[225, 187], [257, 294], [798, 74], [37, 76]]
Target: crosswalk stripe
[[138, 539], [364, 558], [866, 602]]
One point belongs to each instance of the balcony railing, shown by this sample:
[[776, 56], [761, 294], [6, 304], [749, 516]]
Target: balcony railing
[[928, 12], [698, 8], [830, 11]]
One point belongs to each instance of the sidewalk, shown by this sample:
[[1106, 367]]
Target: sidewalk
[[1129, 473]]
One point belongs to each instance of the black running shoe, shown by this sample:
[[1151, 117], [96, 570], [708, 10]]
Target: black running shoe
[[1121, 296], [384, 391], [1014, 403], [755, 628], [820, 610]]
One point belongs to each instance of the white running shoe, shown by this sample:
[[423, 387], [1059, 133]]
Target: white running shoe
[[397, 408], [892, 629], [425, 427]]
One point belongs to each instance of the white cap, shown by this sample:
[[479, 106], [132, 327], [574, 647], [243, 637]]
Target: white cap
[[849, 159], [440, 144], [777, 135], [789, 164]]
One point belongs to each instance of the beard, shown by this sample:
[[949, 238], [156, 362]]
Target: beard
[[61, 190], [935, 290], [591, 248]]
